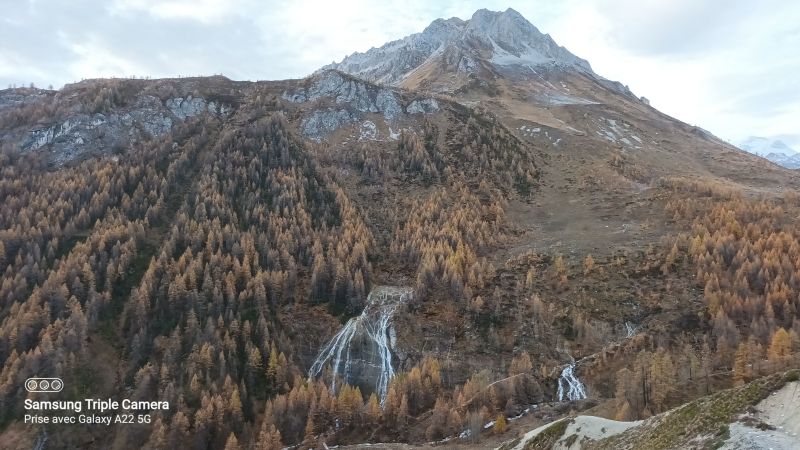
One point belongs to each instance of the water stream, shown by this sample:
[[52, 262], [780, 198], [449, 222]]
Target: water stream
[[631, 329], [360, 354], [569, 386]]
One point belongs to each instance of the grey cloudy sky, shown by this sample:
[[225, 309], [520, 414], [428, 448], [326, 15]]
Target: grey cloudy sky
[[730, 66]]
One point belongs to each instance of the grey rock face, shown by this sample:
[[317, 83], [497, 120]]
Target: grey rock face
[[389, 63], [184, 108], [387, 103], [358, 95], [11, 98], [467, 65], [188, 107], [148, 113], [82, 132], [322, 122], [428, 105], [354, 100], [218, 109], [515, 41]]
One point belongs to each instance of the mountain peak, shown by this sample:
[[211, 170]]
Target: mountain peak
[[509, 16], [766, 145], [773, 149], [496, 38], [513, 40], [509, 23], [510, 12], [438, 32]]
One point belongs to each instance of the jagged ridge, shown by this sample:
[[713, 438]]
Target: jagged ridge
[[503, 38]]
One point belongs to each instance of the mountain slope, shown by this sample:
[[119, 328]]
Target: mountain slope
[[754, 416]]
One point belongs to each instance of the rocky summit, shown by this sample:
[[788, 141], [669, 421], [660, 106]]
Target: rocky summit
[[502, 39]]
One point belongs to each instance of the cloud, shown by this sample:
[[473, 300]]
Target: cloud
[[91, 56], [726, 67], [669, 27], [206, 11]]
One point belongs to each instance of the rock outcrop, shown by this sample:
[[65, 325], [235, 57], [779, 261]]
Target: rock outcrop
[[344, 100], [78, 132]]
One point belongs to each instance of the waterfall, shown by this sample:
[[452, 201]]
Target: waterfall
[[361, 352], [569, 385], [630, 329]]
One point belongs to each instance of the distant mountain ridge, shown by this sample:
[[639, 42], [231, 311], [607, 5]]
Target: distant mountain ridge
[[773, 149]]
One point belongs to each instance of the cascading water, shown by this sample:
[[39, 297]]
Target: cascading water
[[361, 352], [569, 385], [630, 329]]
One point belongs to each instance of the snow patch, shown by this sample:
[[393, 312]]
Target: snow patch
[[529, 131], [527, 56], [778, 410], [616, 132], [584, 427], [559, 99]]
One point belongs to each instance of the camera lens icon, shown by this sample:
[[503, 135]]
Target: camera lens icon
[[44, 384]]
